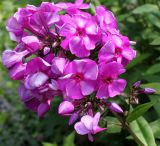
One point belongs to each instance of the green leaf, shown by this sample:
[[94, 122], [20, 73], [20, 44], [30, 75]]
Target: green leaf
[[139, 111], [155, 128], [143, 131], [157, 105], [3, 117], [69, 140], [48, 144], [113, 125], [156, 41], [139, 59], [146, 8], [154, 19], [155, 86], [153, 69]]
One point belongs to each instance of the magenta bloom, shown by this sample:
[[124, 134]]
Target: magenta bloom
[[36, 72], [10, 57], [65, 51], [105, 18], [80, 33], [58, 66], [89, 125], [35, 101], [32, 44], [109, 83], [79, 78], [117, 48]]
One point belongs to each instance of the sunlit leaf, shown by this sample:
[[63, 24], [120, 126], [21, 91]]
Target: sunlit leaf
[[156, 41], [143, 131], [146, 8], [153, 69], [69, 140], [156, 128]]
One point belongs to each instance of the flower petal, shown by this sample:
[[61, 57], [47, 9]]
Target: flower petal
[[117, 87], [87, 121], [80, 128]]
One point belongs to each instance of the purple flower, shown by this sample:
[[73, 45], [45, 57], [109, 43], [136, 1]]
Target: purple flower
[[65, 108], [37, 73], [34, 21], [81, 34], [17, 72], [109, 83], [80, 75], [58, 66], [105, 18], [117, 48], [32, 44], [10, 57], [89, 125]]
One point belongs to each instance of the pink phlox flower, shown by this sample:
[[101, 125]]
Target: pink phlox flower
[[89, 125], [109, 83], [80, 75], [81, 34]]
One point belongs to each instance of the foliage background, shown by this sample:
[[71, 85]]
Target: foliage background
[[140, 20]]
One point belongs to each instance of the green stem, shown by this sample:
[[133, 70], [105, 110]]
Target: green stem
[[126, 126]]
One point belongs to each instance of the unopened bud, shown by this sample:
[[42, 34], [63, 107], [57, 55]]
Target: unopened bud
[[65, 108], [115, 107], [73, 118], [148, 91], [136, 84]]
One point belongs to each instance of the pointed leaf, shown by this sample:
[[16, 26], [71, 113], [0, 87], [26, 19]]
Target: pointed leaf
[[155, 128], [143, 131], [146, 8], [139, 111], [153, 69]]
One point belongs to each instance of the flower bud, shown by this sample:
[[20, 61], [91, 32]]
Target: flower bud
[[65, 108], [115, 108], [148, 91], [42, 109], [73, 118], [136, 84]]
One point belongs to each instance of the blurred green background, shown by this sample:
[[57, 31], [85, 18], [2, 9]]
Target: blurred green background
[[140, 20]]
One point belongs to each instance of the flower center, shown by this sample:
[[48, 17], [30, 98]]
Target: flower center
[[107, 80], [80, 32], [78, 77], [118, 52]]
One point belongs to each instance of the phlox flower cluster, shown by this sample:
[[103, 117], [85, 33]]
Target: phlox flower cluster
[[65, 51]]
